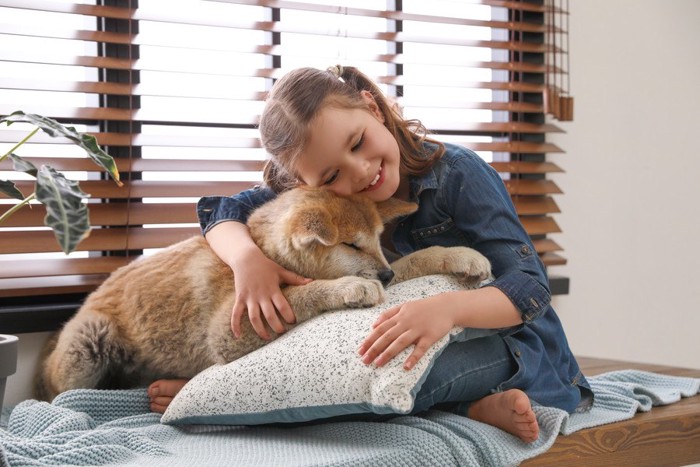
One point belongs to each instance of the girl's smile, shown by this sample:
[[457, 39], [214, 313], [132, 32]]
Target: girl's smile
[[377, 182]]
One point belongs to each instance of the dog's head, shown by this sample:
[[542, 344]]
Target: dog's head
[[324, 236]]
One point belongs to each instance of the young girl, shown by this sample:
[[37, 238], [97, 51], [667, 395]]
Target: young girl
[[335, 129]]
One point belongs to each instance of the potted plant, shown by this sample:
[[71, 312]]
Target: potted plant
[[8, 361], [66, 213]]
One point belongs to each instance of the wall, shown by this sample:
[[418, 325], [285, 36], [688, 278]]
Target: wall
[[632, 182]]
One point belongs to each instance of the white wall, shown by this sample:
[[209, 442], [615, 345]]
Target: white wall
[[632, 182]]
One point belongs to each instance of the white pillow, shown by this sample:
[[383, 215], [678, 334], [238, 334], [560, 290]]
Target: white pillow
[[314, 371]]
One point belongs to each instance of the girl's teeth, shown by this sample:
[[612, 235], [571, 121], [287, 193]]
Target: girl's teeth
[[376, 179]]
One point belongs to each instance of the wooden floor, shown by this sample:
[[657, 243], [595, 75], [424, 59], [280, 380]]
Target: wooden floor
[[665, 436]]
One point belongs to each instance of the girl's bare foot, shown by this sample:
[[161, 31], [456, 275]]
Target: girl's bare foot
[[510, 411], [162, 392]]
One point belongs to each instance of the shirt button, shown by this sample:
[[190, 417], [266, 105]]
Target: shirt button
[[525, 250], [517, 353]]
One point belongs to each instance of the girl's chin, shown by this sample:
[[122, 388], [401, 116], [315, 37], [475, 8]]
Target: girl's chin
[[386, 191]]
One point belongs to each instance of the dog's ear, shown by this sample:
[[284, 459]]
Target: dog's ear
[[393, 208], [313, 225]]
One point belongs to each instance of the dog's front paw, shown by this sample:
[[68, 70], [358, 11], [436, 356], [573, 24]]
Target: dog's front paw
[[357, 292], [467, 264]]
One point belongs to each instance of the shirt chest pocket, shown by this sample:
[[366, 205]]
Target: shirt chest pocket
[[444, 234]]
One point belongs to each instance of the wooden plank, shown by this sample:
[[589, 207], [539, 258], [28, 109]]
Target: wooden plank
[[667, 435]]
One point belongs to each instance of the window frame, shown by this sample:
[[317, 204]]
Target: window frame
[[48, 312]]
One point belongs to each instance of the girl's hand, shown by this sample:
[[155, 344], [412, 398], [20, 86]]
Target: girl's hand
[[422, 323], [257, 280]]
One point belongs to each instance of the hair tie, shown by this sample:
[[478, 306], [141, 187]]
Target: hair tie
[[336, 70]]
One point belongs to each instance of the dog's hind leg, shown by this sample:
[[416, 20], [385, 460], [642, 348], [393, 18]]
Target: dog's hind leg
[[89, 353]]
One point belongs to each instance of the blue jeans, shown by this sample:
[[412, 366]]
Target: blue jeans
[[465, 372]]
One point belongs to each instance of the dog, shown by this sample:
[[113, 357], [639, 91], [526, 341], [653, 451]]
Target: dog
[[168, 315]]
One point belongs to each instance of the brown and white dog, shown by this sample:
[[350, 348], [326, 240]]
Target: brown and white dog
[[168, 315]]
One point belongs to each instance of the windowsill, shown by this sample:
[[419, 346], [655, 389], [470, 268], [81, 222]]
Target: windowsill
[[46, 315]]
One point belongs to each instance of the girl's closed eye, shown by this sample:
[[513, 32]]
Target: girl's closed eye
[[358, 144], [332, 178]]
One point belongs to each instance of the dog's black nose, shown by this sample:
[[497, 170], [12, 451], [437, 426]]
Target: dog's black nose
[[386, 276]]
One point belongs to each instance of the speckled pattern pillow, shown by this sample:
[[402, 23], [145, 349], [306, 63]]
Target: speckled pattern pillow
[[314, 371]]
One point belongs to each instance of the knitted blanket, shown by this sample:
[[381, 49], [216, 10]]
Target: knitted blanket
[[91, 427]]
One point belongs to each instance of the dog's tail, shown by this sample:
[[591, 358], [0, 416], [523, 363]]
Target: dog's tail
[[88, 353]]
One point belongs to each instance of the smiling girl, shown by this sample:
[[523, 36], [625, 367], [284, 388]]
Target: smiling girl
[[335, 129]]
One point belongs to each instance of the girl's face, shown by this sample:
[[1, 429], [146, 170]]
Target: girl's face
[[350, 151]]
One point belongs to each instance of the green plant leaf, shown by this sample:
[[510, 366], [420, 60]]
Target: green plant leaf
[[85, 141], [20, 164], [66, 214], [10, 189]]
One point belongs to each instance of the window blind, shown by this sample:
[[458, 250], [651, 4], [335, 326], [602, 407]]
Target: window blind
[[173, 89]]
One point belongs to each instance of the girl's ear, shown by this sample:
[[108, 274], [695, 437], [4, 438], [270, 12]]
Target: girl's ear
[[372, 104], [393, 208]]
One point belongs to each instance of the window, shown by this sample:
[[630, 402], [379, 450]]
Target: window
[[173, 90]]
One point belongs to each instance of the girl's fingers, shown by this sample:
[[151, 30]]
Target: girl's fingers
[[419, 350], [272, 318], [283, 308], [236, 315], [388, 335], [386, 315], [396, 346], [292, 278], [254, 315], [371, 339]]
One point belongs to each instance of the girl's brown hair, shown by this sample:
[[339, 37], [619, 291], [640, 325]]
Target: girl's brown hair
[[297, 98]]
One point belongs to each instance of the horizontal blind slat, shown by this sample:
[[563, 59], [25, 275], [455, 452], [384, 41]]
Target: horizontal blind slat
[[144, 165], [175, 16], [270, 26], [535, 205], [539, 225], [114, 214], [531, 187], [146, 189], [133, 238], [61, 267], [51, 285], [125, 63]]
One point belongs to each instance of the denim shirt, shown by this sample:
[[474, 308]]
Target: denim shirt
[[462, 201]]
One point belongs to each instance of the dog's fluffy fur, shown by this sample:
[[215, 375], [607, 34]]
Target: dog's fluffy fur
[[168, 315]]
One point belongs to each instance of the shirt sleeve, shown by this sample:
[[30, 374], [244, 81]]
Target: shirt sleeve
[[481, 207], [212, 210]]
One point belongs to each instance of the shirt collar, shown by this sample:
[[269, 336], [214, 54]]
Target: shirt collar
[[426, 181]]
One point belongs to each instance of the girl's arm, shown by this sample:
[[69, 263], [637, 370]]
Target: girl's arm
[[257, 279]]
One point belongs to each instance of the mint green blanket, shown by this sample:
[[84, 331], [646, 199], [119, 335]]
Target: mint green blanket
[[91, 427]]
